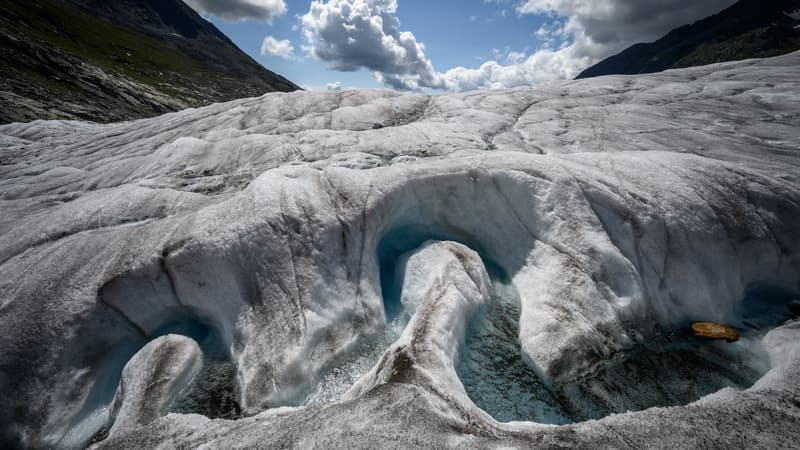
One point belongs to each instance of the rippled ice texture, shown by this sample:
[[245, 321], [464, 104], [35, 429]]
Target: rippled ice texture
[[619, 208]]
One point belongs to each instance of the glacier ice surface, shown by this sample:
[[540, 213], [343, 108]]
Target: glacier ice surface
[[479, 268]]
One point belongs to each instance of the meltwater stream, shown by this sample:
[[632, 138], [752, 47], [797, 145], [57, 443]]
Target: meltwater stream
[[671, 367], [339, 379], [492, 368]]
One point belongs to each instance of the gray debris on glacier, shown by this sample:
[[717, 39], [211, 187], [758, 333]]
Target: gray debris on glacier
[[479, 267]]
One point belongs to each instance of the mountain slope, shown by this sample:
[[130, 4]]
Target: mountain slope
[[111, 61], [748, 29]]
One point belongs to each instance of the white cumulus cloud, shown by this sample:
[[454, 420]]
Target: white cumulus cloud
[[233, 10], [608, 26], [588, 30], [355, 34], [543, 65], [274, 47]]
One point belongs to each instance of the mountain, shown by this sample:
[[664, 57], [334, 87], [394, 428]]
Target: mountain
[[748, 29], [110, 61], [374, 269]]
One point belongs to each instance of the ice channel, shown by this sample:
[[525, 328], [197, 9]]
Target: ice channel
[[669, 367], [343, 373], [213, 392]]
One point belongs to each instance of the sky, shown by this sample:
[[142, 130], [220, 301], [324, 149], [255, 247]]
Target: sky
[[438, 45]]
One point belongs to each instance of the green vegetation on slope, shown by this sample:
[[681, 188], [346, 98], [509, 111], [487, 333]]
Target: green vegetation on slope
[[75, 60], [94, 40]]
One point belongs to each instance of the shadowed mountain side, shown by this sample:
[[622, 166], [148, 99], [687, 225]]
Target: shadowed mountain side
[[112, 61], [748, 29]]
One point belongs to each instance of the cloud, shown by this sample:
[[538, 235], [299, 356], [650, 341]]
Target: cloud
[[355, 34], [549, 31], [274, 47], [608, 26], [543, 65], [581, 33], [515, 57], [335, 86], [234, 10]]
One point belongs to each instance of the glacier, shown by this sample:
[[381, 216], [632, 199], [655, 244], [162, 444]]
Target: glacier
[[368, 268]]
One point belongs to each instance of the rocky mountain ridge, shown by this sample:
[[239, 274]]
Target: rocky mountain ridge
[[748, 29]]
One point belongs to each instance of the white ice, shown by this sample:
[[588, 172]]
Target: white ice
[[619, 209]]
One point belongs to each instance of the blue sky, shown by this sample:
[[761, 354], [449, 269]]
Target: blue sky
[[467, 38], [456, 45]]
